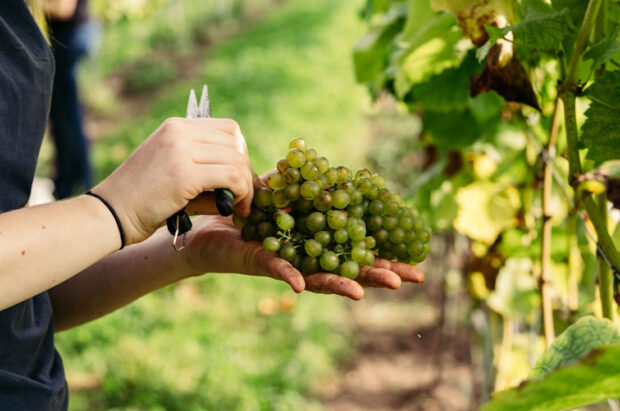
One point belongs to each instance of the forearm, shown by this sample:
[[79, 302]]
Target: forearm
[[42, 246], [117, 280]]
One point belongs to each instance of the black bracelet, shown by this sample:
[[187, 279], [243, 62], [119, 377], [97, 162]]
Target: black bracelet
[[118, 222]]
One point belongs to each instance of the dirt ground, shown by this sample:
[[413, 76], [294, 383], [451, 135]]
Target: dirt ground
[[415, 351]]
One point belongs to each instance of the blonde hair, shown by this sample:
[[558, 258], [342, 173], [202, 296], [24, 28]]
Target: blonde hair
[[37, 10]]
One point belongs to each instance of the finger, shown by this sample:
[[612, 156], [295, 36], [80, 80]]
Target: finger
[[199, 131], [275, 267], [325, 283], [236, 179], [406, 272], [226, 125], [378, 277]]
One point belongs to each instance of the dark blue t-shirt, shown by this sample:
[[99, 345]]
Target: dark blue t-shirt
[[31, 372]]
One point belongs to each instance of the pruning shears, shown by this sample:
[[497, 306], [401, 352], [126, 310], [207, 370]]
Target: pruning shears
[[180, 223]]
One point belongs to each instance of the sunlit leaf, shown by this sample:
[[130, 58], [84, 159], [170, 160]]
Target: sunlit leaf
[[486, 209], [577, 340]]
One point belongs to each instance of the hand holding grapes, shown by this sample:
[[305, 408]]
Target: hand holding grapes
[[215, 245]]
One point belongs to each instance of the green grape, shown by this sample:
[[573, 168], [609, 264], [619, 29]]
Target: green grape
[[365, 205], [288, 252], [345, 185], [309, 171], [296, 158], [374, 222], [358, 254], [382, 236], [350, 269], [427, 248], [322, 163], [313, 248], [359, 243], [329, 261], [265, 229], [310, 265], [279, 198], [373, 192], [262, 198], [355, 211], [248, 232], [356, 232], [300, 224], [376, 207], [341, 236], [344, 174], [356, 197], [418, 224], [363, 184], [315, 221], [336, 219], [424, 236], [323, 237], [282, 165], [371, 242], [397, 235], [332, 176], [410, 237], [416, 248], [310, 154], [292, 192], [257, 215], [413, 212], [398, 198], [405, 222], [386, 253], [370, 258], [276, 181], [391, 207], [271, 244], [338, 249], [321, 180], [303, 206], [239, 221], [309, 190], [363, 173], [384, 195], [341, 199], [389, 222], [285, 221], [378, 180], [296, 261], [323, 201], [401, 252], [298, 143], [292, 175]]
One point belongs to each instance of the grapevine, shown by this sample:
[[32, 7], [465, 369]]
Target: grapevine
[[324, 218]]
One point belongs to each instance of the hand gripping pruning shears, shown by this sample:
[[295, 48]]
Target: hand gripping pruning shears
[[180, 223]]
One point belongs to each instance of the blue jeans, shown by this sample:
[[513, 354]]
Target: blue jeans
[[73, 170]]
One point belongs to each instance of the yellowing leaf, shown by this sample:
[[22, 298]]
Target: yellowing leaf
[[486, 209]]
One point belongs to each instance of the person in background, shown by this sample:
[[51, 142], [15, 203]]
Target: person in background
[[69, 262], [72, 35]]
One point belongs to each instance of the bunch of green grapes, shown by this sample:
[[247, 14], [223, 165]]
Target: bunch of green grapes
[[323, 218]]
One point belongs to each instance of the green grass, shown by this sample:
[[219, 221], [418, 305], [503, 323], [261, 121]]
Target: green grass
[[210, 342]]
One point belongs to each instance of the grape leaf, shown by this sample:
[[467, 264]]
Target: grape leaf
[[486, 209], [542, 28], [577, 340], [447, 90], [515, 294], [601, 130], [452, 130], [429, 46], [592, 380], [602, 51], [371, 53]]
